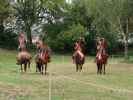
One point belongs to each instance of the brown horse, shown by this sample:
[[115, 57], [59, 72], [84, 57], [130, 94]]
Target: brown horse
[[41, 62], [101, 62], [78, 61], [23, 58]]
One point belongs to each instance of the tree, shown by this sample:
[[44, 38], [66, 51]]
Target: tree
[[31, 12], [5, 8], [111, 16], [27, 13], [120, 16]]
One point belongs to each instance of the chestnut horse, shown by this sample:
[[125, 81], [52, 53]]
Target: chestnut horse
[[23, 58], [78, 61], [41, 62], [101, 62]]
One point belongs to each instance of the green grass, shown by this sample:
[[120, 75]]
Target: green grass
[[66, 84]]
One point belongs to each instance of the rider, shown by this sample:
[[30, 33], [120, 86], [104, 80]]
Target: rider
[[101, 47], [82, 44], [97, 43], [21, 40], [78, 49], [104, 46], [42, 49]]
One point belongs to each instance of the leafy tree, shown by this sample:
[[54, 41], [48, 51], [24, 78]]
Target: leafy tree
[[121, 14], [8, 39], [111, 16], [27, 13], [65, 39], [4, 10], [38, 12]]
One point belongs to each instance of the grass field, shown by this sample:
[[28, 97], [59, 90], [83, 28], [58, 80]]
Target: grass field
[[63, 83]]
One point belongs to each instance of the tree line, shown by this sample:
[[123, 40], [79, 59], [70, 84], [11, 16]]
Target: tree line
[[60, 23]]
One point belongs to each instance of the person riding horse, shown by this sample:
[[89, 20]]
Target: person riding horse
[[23, 58], [78, 49], [78, 55], [101, 46], [104, 46], [42, 57], [82, 44], [21, 40], [101, 55], [42, 50]]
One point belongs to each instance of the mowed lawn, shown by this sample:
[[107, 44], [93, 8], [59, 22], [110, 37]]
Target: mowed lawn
[[62, 82]]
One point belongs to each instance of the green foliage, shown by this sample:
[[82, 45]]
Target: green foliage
[[5, 10], [3, 6], [63, 41], [27, 13], [8, 39], [63, 23], [87, 17]]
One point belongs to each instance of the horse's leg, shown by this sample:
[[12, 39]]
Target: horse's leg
[[76, 67], [21, 68], [82, 63], [81, 67], [97, 68], [100, 69], [104, 65], [37, 67], [29, 64], [25, 67], [45, 68], [42, 67]]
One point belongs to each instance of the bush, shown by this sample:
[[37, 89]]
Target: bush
[[8, 39], [65, 39]]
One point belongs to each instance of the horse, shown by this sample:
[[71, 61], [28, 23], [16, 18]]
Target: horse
[[79, 62], [101, 62], [24, 58], [42, 62]]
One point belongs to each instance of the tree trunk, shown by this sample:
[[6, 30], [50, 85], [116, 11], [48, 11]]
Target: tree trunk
[[126, 39], [29, 36], [1, 26], [126, 47]]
